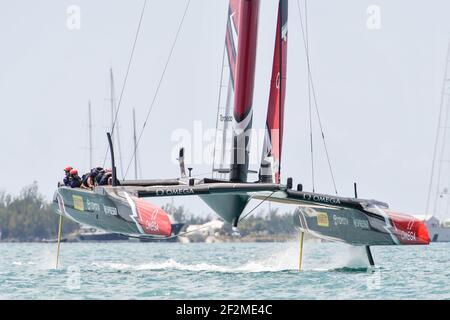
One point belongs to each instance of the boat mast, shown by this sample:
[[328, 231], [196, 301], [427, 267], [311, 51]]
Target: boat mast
[[111, 79], [115, 121], [135, 146], [438, 155], [90, 134]]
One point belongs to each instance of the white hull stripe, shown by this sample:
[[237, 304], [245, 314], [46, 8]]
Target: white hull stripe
[[134, 215]]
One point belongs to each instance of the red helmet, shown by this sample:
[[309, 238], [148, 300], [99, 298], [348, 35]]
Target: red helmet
[[74, 172], [67, 169]]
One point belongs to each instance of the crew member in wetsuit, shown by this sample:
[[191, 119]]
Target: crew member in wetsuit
[[67, 176], [99, 177], [90, 178], [106, 179], [74, 179]]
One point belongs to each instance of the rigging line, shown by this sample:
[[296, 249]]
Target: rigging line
[[218, 110], [313, 90], [433, 164], [306, 39], [126, 76], [442, 153], [306, 44], [257, 206], [159, 85]]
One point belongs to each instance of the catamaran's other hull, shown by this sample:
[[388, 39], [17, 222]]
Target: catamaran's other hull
[[353, 221], [113, 211], [359, 227]]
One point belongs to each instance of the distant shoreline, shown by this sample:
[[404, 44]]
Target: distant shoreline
[[184, 239]]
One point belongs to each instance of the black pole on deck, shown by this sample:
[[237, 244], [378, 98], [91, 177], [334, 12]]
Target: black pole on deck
[[113, 162], [369, 256], [368, 251]]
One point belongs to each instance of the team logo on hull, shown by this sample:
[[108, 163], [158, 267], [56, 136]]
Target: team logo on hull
[[78, 203], [322, 219]]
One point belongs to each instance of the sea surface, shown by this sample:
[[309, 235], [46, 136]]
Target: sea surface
[[222, 271]]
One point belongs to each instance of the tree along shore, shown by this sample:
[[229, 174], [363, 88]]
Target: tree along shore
[[29, 217]]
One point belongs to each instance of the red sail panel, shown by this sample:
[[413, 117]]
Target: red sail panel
[[273, 138], [244, 85]]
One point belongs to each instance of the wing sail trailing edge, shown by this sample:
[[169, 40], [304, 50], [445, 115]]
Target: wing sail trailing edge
[[273, 138]]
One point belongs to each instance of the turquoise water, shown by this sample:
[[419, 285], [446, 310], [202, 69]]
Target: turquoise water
[[222, 271]]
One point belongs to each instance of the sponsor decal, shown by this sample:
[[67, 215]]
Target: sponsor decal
[[110, 211], [174, 192], [225, 118], [340, 221], [409, 230], [322, 219], [362, 224], [407, 235], [323, 199], [78, 203], [92, 206], [149, 218], [150, 222]]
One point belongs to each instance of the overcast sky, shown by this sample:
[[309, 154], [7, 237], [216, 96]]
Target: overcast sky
[[378, 90]]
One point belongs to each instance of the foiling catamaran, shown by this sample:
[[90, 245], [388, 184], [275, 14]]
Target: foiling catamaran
[[121, 208]]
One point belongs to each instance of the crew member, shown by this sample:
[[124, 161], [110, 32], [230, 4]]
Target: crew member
[[99, 177], [90, 178], [106, 179], [74, 179], [67, 176]]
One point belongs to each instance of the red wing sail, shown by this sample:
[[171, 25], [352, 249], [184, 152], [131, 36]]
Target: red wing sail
[[244, 85], [273, 138]]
